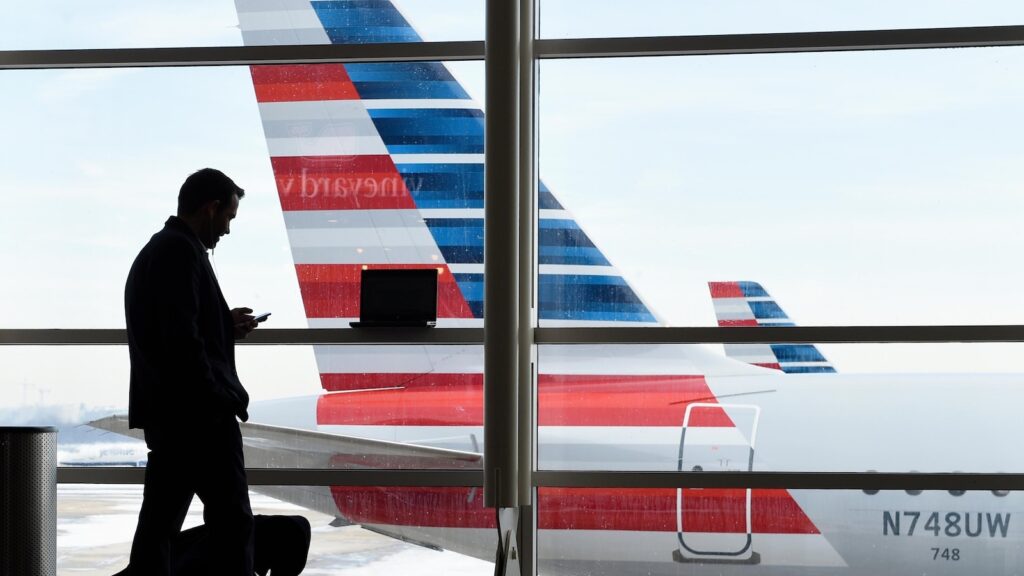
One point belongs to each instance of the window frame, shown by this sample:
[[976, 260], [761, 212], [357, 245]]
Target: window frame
[[512, 51]]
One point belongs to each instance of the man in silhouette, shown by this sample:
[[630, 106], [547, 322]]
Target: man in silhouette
[[185, 393]]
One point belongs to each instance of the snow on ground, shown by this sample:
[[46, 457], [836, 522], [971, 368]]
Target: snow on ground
[[95, 525]]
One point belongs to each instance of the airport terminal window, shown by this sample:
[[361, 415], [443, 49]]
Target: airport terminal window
[[65, 24], [319, 205], [561, 18], [340, 544], [425, 395], [118, 144], [373, 396], [892, 408], [855, 188], [668, 530], [318, 208], [588, 276]]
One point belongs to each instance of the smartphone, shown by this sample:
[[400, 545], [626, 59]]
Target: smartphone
[[261, 317]]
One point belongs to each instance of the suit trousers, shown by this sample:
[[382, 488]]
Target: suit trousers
[[187, 461]]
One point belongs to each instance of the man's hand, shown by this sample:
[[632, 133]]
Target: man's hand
[[244, 322]]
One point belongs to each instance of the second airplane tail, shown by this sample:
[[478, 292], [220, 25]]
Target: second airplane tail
[[746, 303]]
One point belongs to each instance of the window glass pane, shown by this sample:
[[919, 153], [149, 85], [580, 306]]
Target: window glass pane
[[415, 407], [100, 157], [60, 24], [95, 526], [734, 531], [372, 164], [563, 18], [343, 406], [780, 407], [869, 188]]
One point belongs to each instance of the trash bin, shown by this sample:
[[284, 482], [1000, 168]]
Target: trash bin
[[28, 501]]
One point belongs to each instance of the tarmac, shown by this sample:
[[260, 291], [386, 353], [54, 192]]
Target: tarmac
[[95, 525]]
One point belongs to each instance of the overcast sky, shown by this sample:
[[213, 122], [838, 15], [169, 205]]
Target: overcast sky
[[859, 188]]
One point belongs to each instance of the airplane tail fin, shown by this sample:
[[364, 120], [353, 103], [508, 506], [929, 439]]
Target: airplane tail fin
[[749, 304], [381, 165]]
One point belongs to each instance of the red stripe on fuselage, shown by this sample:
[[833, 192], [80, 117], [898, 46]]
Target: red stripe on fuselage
[[563, 400], [633, 509], [431, 404], [304, 82], [370, 182], [338, 382], [332, 290], [600, 400]]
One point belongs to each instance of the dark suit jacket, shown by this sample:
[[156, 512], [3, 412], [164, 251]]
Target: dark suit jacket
[[180, 336]]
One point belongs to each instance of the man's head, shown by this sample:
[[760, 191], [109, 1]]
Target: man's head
[[207, 202]]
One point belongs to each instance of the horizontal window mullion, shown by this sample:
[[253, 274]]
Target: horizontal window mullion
[[545, 48], [263, 336], [783, 480], [632, 335], [774, 43], [241, 55], [396, 336], [588, 479], [291, 477], [788, 334], [60, 337]]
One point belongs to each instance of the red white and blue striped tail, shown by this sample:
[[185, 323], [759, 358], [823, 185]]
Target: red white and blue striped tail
[[749, 304], [381, 165]]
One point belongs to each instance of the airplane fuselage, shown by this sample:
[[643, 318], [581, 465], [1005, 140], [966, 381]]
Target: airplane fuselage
[[763, 421]]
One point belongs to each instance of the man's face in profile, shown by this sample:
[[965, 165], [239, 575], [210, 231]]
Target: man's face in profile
[[221, 222]]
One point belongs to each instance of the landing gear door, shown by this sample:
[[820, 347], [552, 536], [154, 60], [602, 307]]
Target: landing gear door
[[714, 525]]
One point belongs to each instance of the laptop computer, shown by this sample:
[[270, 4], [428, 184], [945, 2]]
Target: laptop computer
[[401, 298]]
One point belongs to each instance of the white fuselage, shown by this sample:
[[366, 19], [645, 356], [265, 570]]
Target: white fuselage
[[804, 423]]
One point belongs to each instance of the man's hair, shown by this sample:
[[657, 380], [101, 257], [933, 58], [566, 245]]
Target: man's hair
[[204, 186]]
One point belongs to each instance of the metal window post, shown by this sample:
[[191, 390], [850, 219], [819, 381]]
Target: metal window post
[[527, 287], [501, 255]]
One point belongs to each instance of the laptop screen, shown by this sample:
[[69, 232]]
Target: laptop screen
[[398, 295]]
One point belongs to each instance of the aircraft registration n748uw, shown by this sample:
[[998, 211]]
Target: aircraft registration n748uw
[[381, 165]]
